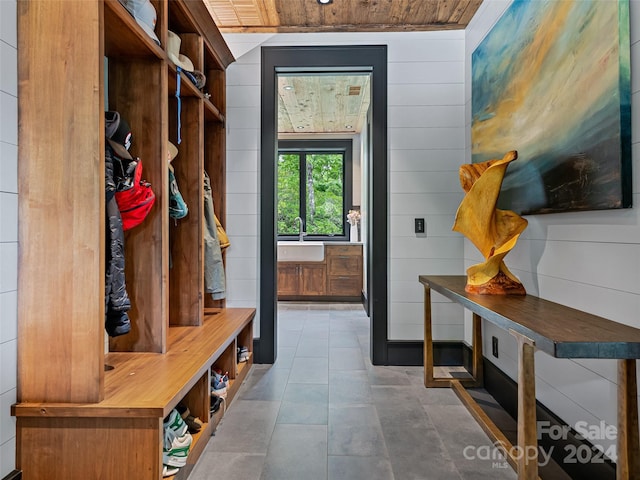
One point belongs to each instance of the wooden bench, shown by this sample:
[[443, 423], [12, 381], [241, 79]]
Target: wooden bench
[[555, 329], [121, 436]]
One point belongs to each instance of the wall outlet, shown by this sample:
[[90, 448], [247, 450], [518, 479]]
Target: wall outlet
[[494, 346]]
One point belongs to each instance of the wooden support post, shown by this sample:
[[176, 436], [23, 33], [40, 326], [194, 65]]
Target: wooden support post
[[478, 374], [428, 339], [527, 451], [475, 379], [628, 465]]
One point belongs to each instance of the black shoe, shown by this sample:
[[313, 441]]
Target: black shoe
[[215, 404], [117, 323]]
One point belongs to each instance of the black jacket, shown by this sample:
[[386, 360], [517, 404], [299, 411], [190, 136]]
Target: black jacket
[[117, 302]]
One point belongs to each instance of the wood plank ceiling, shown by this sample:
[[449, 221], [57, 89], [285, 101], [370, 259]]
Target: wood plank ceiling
[[269, 16], [333, 103]]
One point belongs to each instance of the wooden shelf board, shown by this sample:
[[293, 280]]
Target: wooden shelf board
[[151, 384], [125, 38]]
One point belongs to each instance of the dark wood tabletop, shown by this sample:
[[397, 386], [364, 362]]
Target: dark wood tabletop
[[558, 330]]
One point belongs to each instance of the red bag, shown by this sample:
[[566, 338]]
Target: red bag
[[136, 201]]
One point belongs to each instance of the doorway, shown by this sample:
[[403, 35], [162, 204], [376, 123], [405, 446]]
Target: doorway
[[361, 58]]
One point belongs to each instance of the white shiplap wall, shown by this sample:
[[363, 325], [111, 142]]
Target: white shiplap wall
[[8, 231], [426, 145], [587, 260]]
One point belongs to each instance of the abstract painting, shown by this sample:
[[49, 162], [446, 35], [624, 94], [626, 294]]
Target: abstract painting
[[552, 80]]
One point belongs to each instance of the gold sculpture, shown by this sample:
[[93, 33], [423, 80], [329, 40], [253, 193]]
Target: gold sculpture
[[493, 231]]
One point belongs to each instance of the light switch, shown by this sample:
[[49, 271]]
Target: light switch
[[419, 225]]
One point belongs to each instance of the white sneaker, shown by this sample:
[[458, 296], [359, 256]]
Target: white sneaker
[[176, 449], [168, 471]]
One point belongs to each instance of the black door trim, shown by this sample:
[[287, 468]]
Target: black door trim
[[371, 58]]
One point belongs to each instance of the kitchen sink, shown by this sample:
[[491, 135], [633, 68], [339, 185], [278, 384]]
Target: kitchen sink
[[300, 251]]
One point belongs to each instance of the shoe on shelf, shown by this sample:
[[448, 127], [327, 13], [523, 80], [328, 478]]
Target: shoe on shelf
[[219, 382], [183, 410], [219, 392], [176, 448], [168, 471], [219, 379], [216, 401], [194, 424], [174, 422], [243, 354]]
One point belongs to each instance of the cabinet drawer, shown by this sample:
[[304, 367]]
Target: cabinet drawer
[[345, 286], [344, 265], [343, 250]]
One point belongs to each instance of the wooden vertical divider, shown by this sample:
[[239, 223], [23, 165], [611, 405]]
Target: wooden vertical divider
[[61, 232], [136, 90], [186, 274]]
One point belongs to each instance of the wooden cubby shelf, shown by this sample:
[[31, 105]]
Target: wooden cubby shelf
[[89, 407], [143, 389]]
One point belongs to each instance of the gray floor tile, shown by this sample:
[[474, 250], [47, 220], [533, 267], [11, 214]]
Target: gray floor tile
[[349, 387], [359, 468], [284, 358], [417, 453], [436, 396], [246, 427], [304, 403], [297, 452], [309, 370], [314, 347], [346, 359], [306, 393], [355, 430], [396, 407], [288, 338], [343, 340], [230, 466], [385, 376], [303, 413], [265, 384], [315, 332]]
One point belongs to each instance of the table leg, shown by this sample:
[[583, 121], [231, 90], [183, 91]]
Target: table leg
[[628, 466], [476, 366], [428, 339], [527, 450]]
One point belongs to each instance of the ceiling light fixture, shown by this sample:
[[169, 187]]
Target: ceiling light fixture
[[300, 127], [348, 126], [288, 87], [325, 2]]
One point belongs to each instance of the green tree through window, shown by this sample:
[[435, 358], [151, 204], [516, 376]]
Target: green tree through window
[[313, 185]]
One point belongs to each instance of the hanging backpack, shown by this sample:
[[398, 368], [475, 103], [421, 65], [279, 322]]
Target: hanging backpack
[[134, 196]]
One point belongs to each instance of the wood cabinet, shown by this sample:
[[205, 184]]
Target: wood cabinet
[[301, 279], [76, 396], [344, 270], [337, 278]]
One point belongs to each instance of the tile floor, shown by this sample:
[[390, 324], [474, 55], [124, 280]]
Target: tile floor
[[322, 411]]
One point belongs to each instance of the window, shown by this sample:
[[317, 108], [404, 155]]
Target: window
[[314, 183]]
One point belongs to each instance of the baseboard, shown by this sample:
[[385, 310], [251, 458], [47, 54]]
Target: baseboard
[[505, 391], [15, 475], [411, 353]]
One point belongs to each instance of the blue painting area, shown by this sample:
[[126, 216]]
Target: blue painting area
[[552, 81]]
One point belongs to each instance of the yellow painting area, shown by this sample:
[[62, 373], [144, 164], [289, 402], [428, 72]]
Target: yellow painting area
[[494, 232]]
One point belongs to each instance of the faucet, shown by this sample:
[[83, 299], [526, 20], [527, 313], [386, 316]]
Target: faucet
[[302, 233]]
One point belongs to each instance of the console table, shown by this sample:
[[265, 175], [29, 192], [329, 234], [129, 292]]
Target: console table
[[555, 329]]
